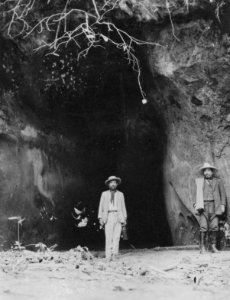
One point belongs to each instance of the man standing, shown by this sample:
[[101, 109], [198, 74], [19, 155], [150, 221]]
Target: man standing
[[210, 205], [112, 214]]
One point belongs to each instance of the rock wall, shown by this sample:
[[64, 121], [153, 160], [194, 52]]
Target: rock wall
[[190, 85], [34, 177]]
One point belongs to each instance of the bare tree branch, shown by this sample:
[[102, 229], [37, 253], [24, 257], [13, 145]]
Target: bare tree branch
[[86, 28]]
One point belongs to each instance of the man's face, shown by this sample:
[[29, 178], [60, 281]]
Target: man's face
[[113, 185], [208, 173]]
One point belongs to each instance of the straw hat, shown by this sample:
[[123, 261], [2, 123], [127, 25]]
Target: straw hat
[[207, 166], [111, 178]]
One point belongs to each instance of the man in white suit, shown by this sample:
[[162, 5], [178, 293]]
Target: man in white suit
[[112, 214]]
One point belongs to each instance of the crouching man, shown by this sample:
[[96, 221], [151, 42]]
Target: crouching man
[[112, 214], [210, 205]]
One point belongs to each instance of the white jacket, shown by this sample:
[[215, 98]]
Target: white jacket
[[105, 202]]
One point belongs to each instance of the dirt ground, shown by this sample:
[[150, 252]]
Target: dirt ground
[[145, 274]]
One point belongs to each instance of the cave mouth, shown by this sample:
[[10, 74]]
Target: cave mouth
[[109, 131], [118, 136], [113, 133]]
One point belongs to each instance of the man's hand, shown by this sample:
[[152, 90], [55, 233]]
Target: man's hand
[[123, 223], [222, 208], [200, 210], [101, 222]]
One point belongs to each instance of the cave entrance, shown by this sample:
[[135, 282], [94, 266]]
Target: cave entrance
[[125, 138]]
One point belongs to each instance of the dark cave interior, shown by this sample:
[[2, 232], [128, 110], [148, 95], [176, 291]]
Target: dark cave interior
[[113, 133], [118, 135]]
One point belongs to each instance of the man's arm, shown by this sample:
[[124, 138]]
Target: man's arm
[[222, 195], [100, 210], [199, 204], [123, 206]]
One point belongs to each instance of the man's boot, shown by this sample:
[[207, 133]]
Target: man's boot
[[202, 242], [213, 242]]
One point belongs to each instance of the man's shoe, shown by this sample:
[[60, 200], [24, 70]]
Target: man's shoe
[[203, 250], [213, 249], [213, 242], [115, 256], [109, 258]]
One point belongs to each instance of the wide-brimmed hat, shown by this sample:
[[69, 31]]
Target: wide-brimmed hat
[[111, 178], [207, 166]]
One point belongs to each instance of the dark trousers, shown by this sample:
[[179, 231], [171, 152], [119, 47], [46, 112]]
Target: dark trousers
[[208, 219]]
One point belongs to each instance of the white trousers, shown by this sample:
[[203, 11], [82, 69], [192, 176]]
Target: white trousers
[[112, 235]]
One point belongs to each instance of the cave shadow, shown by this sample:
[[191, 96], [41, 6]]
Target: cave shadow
[[114, 134], [121, 136]]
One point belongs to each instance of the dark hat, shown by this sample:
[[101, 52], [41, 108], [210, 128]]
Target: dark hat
[[111, 178]]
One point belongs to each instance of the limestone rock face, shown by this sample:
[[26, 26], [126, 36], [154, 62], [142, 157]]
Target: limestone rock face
[[193, 91], [32, 178]]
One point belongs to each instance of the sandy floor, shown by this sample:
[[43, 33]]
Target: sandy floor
[[139, 274]]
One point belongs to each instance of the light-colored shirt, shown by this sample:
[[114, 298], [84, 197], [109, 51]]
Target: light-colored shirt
[[113, 206]]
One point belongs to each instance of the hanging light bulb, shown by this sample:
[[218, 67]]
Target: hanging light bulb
[[144, 101]]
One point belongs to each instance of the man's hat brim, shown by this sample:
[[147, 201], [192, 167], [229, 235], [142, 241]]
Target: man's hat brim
[[113, 178], [207, 166]]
